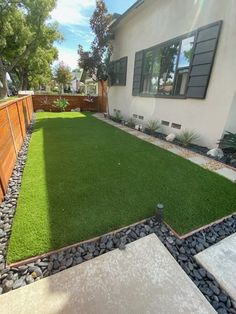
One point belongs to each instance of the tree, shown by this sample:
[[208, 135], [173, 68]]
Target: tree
[[24, 28], [95, 61], [63, 75]]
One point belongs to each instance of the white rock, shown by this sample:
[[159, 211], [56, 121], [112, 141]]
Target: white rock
[[171, 137], [40, 110], [77, 109], [136, 127], [72, 110], [216, 153]]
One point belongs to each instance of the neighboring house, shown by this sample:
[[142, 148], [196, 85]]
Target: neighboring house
[[174, 61], [76, 81]]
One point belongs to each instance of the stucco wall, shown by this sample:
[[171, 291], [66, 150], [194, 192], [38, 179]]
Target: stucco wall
[[157, 21]]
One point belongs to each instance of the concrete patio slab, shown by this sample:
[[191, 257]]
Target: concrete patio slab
[[175, 151], [220, 261], [227, 173], [143, 278], [198, 160]]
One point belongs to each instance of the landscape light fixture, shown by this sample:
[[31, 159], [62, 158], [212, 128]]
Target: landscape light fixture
[[160, 212]]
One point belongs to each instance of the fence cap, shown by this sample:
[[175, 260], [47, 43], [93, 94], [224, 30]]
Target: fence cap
[[26, 92]]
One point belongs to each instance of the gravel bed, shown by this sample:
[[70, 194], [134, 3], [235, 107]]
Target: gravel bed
[[182, 250]]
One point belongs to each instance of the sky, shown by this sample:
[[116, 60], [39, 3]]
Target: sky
[[73, 18]]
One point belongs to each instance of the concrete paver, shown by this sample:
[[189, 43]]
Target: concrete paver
[[198, 160], [220, 261], [143, 278], [227, 173]]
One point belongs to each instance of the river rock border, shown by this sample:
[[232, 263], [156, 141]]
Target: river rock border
[[182, 250]]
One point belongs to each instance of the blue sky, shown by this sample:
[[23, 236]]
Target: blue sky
[[73, 18]]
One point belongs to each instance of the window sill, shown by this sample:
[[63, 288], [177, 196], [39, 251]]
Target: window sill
[[163, 96]]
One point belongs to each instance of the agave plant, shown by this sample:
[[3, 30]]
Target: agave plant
[[131, 122], [228, 141], [187, 136], [152, 126], [118, 117]]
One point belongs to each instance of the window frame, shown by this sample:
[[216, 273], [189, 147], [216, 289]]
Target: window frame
[[161, 46], [118, 75]]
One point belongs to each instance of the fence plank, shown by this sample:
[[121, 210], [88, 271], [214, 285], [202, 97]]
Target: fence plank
[[46, 102], [14, 119]]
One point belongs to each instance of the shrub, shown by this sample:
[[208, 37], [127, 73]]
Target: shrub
[[153, 126], [228, 142], [118, 117], [187, 136], [61, 103], [131, 122]]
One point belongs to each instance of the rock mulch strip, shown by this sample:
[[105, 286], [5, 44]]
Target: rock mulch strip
[[183, 250]]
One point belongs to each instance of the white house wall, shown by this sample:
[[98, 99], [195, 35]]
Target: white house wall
[[157, 21]]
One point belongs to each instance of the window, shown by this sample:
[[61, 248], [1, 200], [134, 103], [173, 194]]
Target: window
[[185, 57], [166, 67], [180, 67], [117, 72]]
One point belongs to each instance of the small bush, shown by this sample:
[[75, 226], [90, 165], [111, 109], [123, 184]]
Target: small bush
[[228, 142], [131, 122], [118, 117], [186, 137], [61, 103], [153, 126]]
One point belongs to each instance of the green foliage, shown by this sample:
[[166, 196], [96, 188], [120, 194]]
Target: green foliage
[[153, 125], [131, 122], [61, 103], [118, 117], [186, 137], [95, 61], [26, 41], [228, 141], [62, 74], [84, 178]]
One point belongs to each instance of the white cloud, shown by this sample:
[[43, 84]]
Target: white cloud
[[68, 56], [71, 12]]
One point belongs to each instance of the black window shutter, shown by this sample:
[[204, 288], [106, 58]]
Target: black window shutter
[[123, 70], [203, 59], [137, 72]]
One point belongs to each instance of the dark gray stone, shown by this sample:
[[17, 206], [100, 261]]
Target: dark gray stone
[[215, 289], [7, 285], [29, 279], [222, 311], [222, 297], [18, 283], [88, 256], [69, 262], [182, 257], [56, 264]]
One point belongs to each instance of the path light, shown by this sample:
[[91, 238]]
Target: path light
[[160, 212]]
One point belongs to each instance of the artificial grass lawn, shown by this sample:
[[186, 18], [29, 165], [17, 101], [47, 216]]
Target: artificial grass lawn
[[84, 178]]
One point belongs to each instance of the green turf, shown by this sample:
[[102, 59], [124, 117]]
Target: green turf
[[84, 178]]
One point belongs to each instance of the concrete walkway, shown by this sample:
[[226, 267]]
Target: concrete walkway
[[143, 278], [220, 261], [203, 161]]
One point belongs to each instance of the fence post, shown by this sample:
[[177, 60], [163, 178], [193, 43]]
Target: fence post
[[11, 129]]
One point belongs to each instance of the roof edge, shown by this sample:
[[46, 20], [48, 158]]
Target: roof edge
[[127, 12]]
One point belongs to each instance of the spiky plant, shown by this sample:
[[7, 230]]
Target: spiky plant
[[131, 122], [153, 126], [186, 137]]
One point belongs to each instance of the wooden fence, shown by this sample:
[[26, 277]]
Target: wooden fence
[[46, 102], [15, 117]]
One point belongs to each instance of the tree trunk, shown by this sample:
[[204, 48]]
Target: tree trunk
[[25, 83], [3, 84]]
